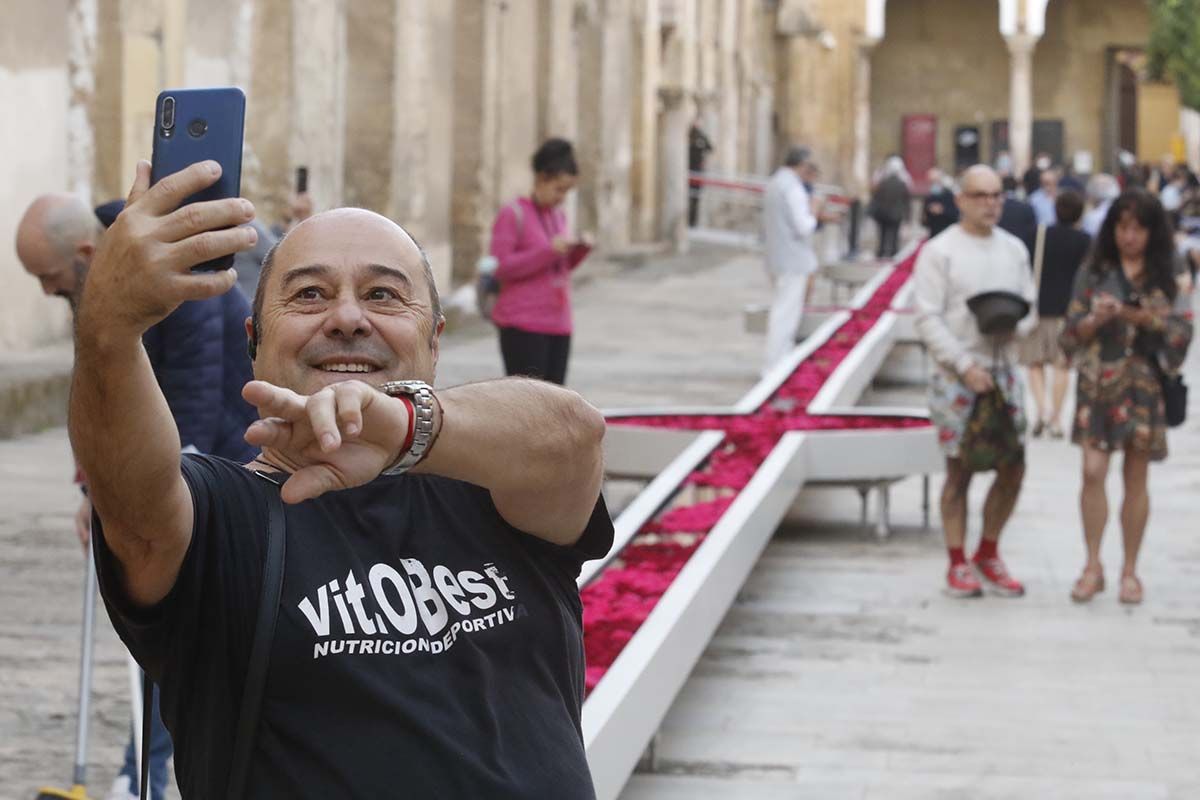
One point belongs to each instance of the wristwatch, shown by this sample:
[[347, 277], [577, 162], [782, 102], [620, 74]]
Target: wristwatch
[[421, 395]]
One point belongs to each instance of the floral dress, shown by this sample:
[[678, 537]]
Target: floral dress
[[1119, 402]]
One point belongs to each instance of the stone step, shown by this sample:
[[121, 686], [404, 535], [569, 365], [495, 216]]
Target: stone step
[[33, 389]]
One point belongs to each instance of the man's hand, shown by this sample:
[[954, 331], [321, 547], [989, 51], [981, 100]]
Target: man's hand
[[978, 380], [562, 244], [342, 436], [142, 269], [83, 522]]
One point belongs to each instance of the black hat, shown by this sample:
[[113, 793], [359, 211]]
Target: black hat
[[997, 312]]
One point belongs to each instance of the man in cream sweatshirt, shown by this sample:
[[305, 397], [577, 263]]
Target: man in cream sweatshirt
[[970, 257]]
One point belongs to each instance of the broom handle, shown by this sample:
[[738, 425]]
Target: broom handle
[[85, 672]]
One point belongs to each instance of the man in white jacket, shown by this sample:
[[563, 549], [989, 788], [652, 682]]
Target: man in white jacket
[[790, 219], [966, 259]]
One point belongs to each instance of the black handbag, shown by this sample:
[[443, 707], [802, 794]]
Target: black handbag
[[1175, 395], [256, 669]]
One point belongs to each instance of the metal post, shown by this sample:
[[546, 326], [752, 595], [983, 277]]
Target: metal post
[[852, 242], [85, 672], [925, 500], [883, 528]]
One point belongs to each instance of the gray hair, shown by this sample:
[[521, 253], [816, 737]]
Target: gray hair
[[1102, 187], [68, 223], [795, 156]]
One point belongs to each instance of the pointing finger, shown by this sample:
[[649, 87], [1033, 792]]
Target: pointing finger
[[274, 401]]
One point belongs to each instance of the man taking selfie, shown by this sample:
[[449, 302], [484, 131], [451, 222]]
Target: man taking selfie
[[429, 632]]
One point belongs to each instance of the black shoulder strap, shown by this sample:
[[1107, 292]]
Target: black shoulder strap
[[260, 650], [256, 669]]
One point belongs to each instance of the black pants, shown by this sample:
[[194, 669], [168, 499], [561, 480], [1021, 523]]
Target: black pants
[[535, 355], [889, 238]]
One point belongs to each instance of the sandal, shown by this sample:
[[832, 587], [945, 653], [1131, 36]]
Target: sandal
[[1090, 583], [1056, 432], [1038, 428], [1131, 590]]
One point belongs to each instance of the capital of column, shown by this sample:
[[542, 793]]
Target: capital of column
[[1021, 44]]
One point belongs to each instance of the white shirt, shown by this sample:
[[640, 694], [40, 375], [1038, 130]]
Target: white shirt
[[788, 224], [1093, 219], [954, 266]]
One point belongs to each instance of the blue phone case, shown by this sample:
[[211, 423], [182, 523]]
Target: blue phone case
[[207, 124]]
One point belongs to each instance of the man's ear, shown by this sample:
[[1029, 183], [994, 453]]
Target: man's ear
[[435, 344], [251, 339], [85, 251]]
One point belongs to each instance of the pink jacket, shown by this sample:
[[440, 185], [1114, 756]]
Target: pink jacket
[[535, 281]]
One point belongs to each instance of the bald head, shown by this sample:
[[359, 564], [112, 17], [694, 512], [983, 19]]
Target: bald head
[[980, 177], [55, 241], [980, 200]]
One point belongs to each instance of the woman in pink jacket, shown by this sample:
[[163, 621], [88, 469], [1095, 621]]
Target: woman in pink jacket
[[535, 255]]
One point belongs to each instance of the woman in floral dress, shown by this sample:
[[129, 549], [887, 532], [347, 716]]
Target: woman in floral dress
[[1126, 313]]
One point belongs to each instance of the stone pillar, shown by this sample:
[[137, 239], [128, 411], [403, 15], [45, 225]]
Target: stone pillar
[[318, 99], [81, 74], [1189, 125], [862, 116], [725, 155], [473, 187], [678, 106], [267, 177], [646, 76], [374, 43], [410, 118], [558, 70], [605, 122], [1020, 116], [673, 128]]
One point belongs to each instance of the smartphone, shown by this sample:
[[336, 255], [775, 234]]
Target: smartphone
[[301, 180], [194, 125]]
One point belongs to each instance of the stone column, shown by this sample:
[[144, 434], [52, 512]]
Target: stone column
[[673, 128], [410, 102], [862, 116], [1189, 124], [646, 76], [678, 106], [81, 75], [1020, 116], [725, 154], [377, 50], [318, 113], [473, 188], [605, 122]]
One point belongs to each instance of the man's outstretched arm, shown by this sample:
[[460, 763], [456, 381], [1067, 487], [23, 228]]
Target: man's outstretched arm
[[121, 429]]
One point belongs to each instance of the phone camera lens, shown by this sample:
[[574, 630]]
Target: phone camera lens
[[168, 113], [197, 128]]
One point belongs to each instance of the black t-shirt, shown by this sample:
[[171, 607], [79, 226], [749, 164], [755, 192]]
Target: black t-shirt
[[424, 647], [1065, 249]]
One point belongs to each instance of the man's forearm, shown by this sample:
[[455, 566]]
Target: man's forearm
[[122, 432], [535, 446]]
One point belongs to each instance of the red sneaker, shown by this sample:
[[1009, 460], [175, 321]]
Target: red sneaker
[[961, 582], [996, 576]]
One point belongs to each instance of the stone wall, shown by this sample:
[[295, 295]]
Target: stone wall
[[34, 139], [941, 57], [425, 111]]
